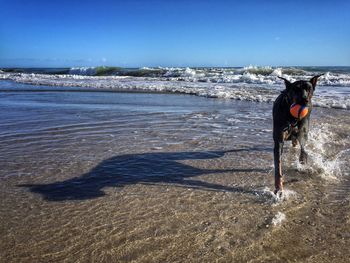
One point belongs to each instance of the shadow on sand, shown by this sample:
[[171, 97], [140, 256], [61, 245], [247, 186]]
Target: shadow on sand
[[145, 168]]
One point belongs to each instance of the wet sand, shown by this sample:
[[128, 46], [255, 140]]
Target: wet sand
[[121, 177]]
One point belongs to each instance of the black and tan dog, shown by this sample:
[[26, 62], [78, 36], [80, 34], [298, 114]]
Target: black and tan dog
[[286, 127]]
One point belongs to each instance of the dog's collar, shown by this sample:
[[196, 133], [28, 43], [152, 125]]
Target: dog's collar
[[295, 123], [291, 125], [292, 120]]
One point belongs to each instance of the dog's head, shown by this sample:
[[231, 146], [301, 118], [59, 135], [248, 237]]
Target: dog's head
[[301, 91]]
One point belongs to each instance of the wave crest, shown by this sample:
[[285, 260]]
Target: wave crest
[[252, 83]]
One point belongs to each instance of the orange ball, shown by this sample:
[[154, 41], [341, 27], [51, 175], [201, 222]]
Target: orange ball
[[298, 111]]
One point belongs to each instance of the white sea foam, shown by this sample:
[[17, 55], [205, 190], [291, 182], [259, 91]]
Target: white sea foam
[[260, 84], [280, 197], [278, 219], [83, 71], [320, 159], [277, 72]]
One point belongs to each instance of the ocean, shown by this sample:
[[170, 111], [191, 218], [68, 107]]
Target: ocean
[[169, 165], [250, 83]]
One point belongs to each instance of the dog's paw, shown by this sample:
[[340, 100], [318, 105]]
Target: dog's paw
[[278, 193], [278, 190]]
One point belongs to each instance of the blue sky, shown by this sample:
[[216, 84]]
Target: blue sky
[[139, 33]]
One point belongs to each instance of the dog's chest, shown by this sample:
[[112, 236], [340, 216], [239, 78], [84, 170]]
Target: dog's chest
[[289, 132]]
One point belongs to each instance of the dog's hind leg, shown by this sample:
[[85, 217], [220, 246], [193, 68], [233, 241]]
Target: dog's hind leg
[[278, 149], [294, 137], [294, 141]]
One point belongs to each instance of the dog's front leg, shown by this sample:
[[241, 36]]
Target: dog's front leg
[[278, 149], [303, 155], [302, 138]]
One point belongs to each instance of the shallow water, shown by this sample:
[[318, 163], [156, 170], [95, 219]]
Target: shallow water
[[116, 177]]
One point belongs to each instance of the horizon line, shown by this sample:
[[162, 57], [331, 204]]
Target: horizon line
[[169, 66]]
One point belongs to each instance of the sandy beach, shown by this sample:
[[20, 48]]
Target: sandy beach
[[142, 131], [138, 177]]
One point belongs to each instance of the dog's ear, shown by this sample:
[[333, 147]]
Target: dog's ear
[[314, 80], [286, 82]]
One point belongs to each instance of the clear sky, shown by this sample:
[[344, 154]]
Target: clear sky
[[136, 33]]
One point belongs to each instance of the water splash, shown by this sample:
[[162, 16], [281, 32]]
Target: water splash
[[321, 161], [278, 219], [286, 195]]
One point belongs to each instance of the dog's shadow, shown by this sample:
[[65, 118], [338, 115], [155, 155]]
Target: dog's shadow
[[145, 168]]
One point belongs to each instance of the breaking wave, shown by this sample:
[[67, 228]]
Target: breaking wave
[[250, 74], [250, 83]]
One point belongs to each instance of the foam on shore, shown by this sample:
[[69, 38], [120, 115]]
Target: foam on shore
[[249, 84]]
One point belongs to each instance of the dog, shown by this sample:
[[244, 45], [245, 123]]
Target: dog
[[286, 127]]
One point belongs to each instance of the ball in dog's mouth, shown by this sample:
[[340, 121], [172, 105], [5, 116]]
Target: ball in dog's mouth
[[299, 111]]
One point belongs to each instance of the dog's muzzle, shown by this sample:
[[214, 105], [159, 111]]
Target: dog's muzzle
[[305, 97]]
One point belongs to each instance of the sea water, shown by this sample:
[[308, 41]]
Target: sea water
[[251, 83], [92, 174]]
